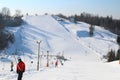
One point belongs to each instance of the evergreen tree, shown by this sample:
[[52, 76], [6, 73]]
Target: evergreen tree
[[1, 22], [111, 56], [118, 40], [118, 55], [91, 32]]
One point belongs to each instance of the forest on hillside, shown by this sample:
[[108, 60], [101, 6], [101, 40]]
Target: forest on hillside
[[7, 37], [7, 20], [107, 22]]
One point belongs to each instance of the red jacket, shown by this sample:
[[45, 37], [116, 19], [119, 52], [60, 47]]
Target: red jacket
[[56, 63], [20, 67]]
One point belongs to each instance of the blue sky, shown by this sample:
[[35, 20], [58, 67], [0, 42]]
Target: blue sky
[[67, 7]]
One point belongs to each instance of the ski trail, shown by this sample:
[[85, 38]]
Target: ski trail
[[82, 43]]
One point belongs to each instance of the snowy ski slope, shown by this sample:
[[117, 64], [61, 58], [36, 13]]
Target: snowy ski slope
[[84, 52]]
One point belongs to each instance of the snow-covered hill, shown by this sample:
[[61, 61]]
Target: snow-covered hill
[[59, 36], [66, 38]]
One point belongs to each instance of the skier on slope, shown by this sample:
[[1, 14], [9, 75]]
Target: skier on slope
[[61, 62], [12, 66], [56, 63], [20, 68]]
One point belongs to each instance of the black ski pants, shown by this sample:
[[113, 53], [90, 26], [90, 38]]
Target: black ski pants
[[20, 74]]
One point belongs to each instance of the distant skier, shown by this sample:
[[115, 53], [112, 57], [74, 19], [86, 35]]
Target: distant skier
[[20, 68], [56, 63], [12, 66], [61, 62]]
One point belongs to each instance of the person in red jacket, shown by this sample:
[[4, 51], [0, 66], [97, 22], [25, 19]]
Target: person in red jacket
[[56, 63], [20, 68]]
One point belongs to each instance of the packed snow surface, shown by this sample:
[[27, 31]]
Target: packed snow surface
[[60, 37]]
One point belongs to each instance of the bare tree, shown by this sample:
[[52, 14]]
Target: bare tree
[[1, 21], [5, 11], [18, 13]]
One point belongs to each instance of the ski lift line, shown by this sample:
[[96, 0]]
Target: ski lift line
[[73, 36], [84, 42], [89, 47]]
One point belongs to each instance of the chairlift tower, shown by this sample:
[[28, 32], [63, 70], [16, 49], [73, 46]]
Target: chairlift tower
[[38, 42]]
